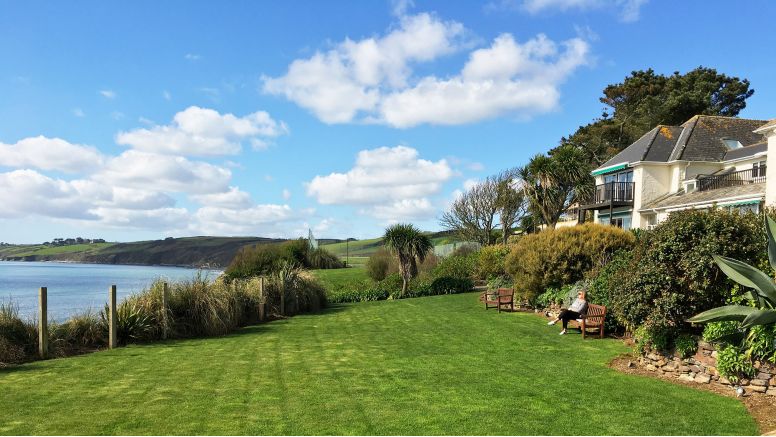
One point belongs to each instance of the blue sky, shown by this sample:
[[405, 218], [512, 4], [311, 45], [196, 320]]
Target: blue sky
[[151, 119]]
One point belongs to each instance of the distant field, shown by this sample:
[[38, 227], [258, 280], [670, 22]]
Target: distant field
[[54, 250], [365, 248]]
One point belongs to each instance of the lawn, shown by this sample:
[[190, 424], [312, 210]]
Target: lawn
[[335, 279], [435, 365]]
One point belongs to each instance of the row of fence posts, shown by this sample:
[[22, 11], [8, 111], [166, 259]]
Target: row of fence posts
[[43, 333]]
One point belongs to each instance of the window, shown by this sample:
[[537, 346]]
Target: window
[[731, 143], [758, 169]]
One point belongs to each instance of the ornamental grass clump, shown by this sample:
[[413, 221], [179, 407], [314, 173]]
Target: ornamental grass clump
[[18, 337]]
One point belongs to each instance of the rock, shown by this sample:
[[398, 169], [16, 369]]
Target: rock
[[650, 367], [715, 377], [714, 354], [723, 380], [660, 363], [631, 365], [743, 382], [759, 382], [684, 369], [692, 374], [695, 369], [705, 345], [686, 377], [712, 371], [763, 375], [773, 382], [703, 379], [652, 356], [758, 389], [771, 391]]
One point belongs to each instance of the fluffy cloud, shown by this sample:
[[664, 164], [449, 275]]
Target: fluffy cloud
[[204, 132], [232, 199], [371, 80], [28, 192], [50, 154], [259, 218], [385, 176], [151, 171]]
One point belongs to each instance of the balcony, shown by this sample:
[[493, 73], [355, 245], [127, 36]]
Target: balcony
[[733, 179], [612, 195]]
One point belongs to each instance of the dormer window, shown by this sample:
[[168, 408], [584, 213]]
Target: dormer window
[[732, 144]]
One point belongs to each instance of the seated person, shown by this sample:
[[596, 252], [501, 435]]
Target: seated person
[[577, 309]]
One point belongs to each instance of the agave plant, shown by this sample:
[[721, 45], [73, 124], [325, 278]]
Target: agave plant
[[762, 288]]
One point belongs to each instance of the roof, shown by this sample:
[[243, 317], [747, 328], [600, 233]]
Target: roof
[[766, 126], [679, 199], [700, 138], [746, 152]]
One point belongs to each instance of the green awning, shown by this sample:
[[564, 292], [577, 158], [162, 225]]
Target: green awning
[[743, 202], [610, 169], [615, 214]]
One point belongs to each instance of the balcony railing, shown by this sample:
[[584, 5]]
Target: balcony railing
[[732, 179], [614, 192]]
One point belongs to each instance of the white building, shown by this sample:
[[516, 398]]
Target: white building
[[707, 162]]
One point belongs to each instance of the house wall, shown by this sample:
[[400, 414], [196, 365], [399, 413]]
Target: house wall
[[770, 181], [652, 181]]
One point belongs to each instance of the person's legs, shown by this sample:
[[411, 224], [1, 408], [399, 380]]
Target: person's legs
[[568, 315], [560, 317]]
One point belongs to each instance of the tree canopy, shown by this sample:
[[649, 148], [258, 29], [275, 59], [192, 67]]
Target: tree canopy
[[645, 99]]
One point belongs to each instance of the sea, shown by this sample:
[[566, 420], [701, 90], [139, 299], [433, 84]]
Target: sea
[[75, 288]]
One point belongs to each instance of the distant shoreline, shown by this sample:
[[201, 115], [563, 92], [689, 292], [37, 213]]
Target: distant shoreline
[[59, 261]]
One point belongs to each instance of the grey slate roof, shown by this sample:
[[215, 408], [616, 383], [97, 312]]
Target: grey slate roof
[[750, 190], [698, 139], [745, 152]]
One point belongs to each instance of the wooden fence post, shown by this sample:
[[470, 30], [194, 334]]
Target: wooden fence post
[[164, 310], [43, 322], [261, 299], [112, 339], [282, 298]]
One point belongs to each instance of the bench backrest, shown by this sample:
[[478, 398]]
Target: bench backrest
[[596, 310], [506, 291]]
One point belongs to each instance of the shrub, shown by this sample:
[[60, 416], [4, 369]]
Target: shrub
[[761, 343], [733, 364], [555, 296], [713, 331], [380, 264], [450, 285], [650, 338], [490, 262], [685, 345], [671, 274], [456, 266], [603, 280], [82, 332], [265, 259], [500, 282], [555, 257]]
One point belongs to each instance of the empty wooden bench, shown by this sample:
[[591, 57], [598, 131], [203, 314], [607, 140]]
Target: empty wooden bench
[[594, 319], [503, 297]]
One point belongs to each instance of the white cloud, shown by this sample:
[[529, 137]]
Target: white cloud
[[347, 80], [286, 194], [150, 171], [108, 94], [265, 219], [400, 7], [384, 176], [78, 112], [202, 132], [234, 198], [27, 192], [50, 154], [407, 209], [371, 80], [192, 57]]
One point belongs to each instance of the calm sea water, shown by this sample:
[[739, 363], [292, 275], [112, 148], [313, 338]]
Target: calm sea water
[[74, 288]]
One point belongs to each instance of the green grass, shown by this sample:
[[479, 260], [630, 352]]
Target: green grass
[[54, 250], [334, 279], [436, 365]]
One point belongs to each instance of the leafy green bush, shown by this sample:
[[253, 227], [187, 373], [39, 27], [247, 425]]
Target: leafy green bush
[[456, 266], [671, 274], [603, 280], [733, 364], [490, 262], [556, 257], [685, 345], [761, 343], [500, 282], [450, 285], [264, 259], [553, 296], [713, 331], [649, 338]]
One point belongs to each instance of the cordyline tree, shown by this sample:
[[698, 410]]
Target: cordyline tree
[[410, 246], [645, 99], [552, 183], [762, 295]]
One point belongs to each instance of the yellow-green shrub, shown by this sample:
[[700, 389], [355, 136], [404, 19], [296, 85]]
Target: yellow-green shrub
[[490, 263], [556, 257]]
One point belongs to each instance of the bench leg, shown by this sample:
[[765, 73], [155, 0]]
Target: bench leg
[[582, 326]]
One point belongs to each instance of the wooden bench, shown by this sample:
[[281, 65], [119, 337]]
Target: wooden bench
[[504, 296], [594, 319]]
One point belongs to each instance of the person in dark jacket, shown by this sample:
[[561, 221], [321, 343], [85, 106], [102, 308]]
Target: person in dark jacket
[[576, 310]]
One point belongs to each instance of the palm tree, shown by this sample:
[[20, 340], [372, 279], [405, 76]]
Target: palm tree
[[410, 246]]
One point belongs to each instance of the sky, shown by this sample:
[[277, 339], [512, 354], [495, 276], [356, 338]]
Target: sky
[[142, 120]]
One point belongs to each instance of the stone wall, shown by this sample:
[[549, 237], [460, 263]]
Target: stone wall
[[702, 369]]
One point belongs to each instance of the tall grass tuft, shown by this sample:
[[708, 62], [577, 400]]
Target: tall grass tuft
[[18, 338]]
